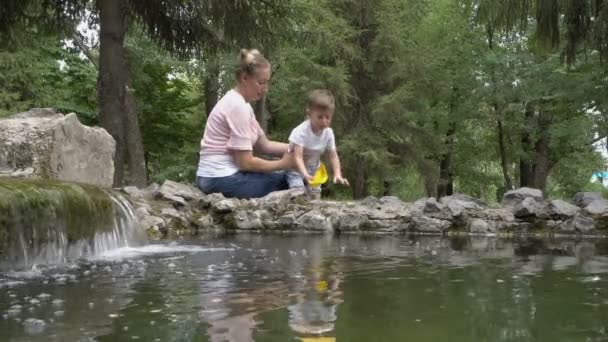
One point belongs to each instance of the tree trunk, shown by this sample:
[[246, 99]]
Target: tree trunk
[[212, 84], [542, 160], [526, 167], [430, 185], [138, 173], [111, 80], [503, 156], [388, 188], [360, 189], [445, 185], [261, 114], [211, 89], [364, 86]]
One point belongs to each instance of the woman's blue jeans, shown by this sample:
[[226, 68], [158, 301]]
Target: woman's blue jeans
[[244, 184]]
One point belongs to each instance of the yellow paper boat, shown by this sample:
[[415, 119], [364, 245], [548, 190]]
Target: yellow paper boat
[[320, 177], [318, 339], [321, 286]]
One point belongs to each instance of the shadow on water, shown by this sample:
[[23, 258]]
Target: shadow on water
[[323, 288]]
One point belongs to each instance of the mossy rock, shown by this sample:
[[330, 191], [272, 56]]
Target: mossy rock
[[32, 212]]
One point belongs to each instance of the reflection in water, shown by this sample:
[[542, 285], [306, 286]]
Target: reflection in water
[[317, 295], [320, 289], [224, 324]]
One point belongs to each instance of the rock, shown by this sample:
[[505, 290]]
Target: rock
[[370, 201], [432, 206], [580, 223], [392, 204], [459, 198], [459, 205], [248, 220], [583, 223], [210, 200], [151, 191], [42, 143], [514, 197], [279, 201], [598, 207], [528, 207], [225, 206], [389, 226], [155, 224], [205, 222], [187, 192], [133, 192], [313, 220], [176, 216], [352, 222], [293, 210], [480, 226], [498, 214], [561, 210], [425, 224], [378, 211], [177, 200], [598, 211], [286, 221], [142, 211], [582, 199]]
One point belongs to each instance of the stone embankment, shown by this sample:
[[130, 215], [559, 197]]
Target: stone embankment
[[177, 209]]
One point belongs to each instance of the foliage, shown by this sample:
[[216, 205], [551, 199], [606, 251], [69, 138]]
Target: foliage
[[41, 72]]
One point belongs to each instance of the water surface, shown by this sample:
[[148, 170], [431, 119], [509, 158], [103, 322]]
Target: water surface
[[317, 288]]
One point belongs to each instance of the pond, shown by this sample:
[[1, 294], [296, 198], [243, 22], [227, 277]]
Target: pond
[[317, 288]]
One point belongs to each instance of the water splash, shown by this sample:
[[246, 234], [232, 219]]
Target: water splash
[[134, 252]]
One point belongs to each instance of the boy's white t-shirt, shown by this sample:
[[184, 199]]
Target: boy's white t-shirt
[[314, 144]]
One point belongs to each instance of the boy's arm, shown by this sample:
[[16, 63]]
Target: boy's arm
[[298, 154], [336, 167]]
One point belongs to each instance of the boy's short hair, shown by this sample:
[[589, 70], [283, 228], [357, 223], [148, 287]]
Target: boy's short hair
[[322, 99]]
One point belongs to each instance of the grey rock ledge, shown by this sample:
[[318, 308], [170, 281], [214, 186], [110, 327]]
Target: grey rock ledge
[[175, 209]]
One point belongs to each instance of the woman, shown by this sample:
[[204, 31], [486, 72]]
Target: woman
[[227, 164]]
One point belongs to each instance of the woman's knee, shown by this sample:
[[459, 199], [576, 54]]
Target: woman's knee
[[255, 185], [206, 185]]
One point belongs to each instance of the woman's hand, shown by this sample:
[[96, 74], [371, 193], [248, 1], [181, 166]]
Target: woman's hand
[[341, 180], [246, 161], [288, 161]]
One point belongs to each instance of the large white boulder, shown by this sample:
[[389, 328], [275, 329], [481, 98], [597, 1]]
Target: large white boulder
[[42, 143]]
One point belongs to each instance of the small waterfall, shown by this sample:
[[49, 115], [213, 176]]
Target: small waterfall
[[49, 222]]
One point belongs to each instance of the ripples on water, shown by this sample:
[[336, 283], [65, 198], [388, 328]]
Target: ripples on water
[[317, 288]]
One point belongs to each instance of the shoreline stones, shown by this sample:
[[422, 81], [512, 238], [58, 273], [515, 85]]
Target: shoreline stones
[[176, 209]]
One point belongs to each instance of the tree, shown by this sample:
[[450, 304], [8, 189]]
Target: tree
[[180, 27], [548, 93]]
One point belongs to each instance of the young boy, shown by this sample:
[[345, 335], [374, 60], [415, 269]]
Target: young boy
[[313, 138]]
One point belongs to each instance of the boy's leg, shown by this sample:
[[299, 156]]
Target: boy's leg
[[314, 192], [294, 179], [251, 184]]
